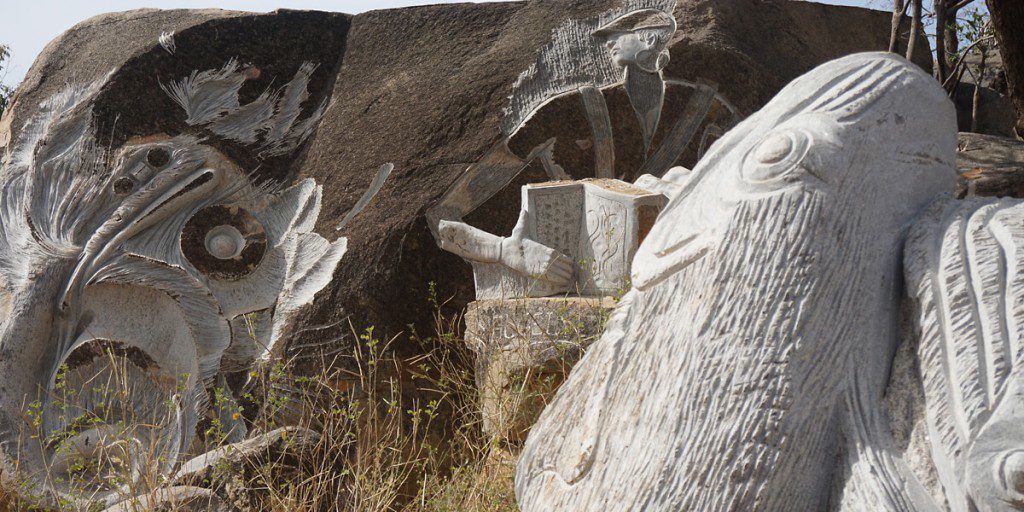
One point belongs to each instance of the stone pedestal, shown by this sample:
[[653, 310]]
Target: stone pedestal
[[524, 349]]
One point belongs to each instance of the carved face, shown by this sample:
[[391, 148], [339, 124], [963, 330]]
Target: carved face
[[134, 282], [643, 48], [624, 47], [836, 145]]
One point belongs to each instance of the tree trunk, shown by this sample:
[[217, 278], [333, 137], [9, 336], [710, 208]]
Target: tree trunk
[[1008, 23], [915, 29], [941, 62], [898, 10]]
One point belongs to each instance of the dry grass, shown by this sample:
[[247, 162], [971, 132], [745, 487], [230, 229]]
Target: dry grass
[[396, 435]]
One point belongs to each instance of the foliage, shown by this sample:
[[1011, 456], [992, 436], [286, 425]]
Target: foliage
[[5, 91]]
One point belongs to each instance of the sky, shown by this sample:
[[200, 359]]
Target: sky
[[26, 26]]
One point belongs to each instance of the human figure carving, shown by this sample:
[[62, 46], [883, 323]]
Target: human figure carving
[[626, 48], [753, 351]]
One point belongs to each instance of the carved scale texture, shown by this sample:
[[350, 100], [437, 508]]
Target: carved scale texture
[[708, 447], [965, 274]]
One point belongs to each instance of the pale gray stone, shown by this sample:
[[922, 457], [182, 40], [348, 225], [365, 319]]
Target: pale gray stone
[[595, 224], [282, 446], [173, 499], [134, 279], [523, 349], [746, 368]]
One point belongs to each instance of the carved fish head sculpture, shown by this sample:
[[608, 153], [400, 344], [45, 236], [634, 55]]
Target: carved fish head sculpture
[[762, 291], [132, 281]]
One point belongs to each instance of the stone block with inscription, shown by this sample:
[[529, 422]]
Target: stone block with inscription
[[598, 223], [524, 349]]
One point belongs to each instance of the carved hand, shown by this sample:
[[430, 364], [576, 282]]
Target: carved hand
[[536, 260]]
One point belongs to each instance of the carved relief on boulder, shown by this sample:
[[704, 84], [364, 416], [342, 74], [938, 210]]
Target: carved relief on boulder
[[143, 268], [596, 224]]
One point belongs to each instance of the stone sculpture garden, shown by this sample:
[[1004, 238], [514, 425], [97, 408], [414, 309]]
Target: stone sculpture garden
[[691, 267]]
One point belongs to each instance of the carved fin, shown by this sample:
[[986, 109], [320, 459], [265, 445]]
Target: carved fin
[[876, 479], [964, 273]]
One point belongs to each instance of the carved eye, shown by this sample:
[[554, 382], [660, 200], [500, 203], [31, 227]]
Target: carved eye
[[776, 156], [158, 157], [1011, 471], [224, 242], [124, 185]]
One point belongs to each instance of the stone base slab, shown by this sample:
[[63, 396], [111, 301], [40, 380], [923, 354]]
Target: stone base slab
[[524, 350]]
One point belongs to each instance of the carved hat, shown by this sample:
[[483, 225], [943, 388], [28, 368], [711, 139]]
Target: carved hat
[[643, 19]]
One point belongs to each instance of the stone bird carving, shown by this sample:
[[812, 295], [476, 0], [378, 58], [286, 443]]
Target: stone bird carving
[[747, 367], [133, 280]]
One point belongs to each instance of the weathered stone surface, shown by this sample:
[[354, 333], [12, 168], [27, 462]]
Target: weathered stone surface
[[746, 368], [990, 166], [423, 88], [524, 348], [963, 267], [283, 447], [597, 224], [994, 114], [174, 499]]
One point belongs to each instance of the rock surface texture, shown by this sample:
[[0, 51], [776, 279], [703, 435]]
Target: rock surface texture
[[753, 352], [524, 348], [990, 166], [175, 184], [423, 88]]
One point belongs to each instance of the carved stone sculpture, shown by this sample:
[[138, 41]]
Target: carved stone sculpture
[[965, 278], [624, 46], [404, 91], [753, 351], [593, 227], [132, 281], [523, 351]]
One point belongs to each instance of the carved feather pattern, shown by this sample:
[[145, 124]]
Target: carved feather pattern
[[964, 274]]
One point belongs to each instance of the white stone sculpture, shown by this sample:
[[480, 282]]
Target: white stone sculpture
[[746, 368], [131, 282], [965, 277], [624, 46], [594, 226]]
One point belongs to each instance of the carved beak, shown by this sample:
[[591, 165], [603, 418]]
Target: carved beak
[[155, 202]]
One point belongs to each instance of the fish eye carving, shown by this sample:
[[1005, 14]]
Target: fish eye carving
[[224, 242], [1010, 472], [776, 157]]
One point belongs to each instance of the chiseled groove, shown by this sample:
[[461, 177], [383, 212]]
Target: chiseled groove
[[946, 302], [1007, 234], [987, 265], [923, 247], [982, 252]]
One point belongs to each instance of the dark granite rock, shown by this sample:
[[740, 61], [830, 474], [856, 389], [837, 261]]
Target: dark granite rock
[[421, 87], [995, 112]]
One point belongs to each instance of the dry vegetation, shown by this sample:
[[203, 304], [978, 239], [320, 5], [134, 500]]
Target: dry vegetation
[[397, 435]]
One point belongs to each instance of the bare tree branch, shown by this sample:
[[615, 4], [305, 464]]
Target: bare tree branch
[[915, 29], [959, 5]]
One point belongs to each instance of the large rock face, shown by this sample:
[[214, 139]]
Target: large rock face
[[421, 87]]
